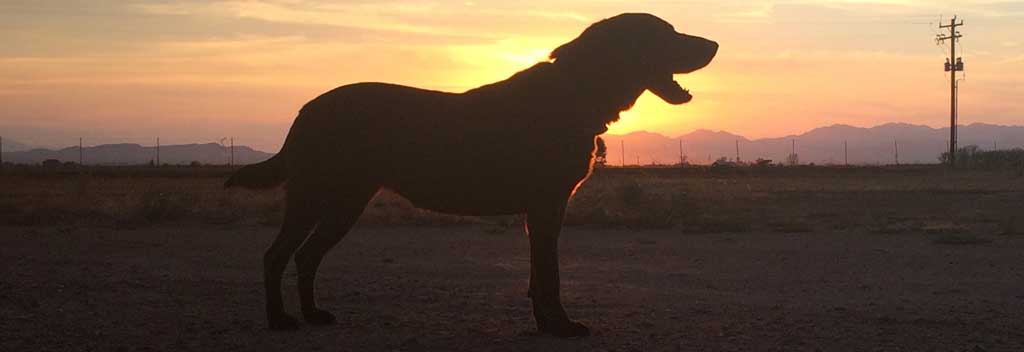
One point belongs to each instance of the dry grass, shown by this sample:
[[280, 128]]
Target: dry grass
[[698, 200]]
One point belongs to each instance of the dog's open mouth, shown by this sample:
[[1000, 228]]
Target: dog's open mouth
[[670, 91]]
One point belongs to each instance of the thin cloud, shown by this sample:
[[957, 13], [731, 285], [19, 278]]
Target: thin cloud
[[403, 17]]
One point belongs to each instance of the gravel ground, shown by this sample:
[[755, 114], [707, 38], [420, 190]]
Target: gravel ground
[[196, 288]]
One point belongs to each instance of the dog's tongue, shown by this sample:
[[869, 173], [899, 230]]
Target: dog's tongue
[[670, 91]]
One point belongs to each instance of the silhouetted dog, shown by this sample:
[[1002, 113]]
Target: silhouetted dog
[[517, 146]]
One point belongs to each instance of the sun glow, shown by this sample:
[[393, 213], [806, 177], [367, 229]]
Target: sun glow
[[650, 113], [165, 68], [484, 64]]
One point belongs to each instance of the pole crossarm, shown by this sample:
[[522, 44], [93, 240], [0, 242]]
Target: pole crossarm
[[952, 24]]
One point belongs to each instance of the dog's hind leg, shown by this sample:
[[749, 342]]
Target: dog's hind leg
[[543, 224], [301, 214], [341, 213]]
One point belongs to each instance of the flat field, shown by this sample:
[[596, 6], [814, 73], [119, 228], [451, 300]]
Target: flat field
[[777, 259]]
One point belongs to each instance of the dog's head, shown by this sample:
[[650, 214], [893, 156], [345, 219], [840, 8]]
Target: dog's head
[[640, 46]]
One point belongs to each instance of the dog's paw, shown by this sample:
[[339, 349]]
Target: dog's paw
[[566, 328], [318, 317], [282, 322]]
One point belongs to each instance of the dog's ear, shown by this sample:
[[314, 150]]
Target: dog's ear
[[590, 43], [564, 50], [618, 42]]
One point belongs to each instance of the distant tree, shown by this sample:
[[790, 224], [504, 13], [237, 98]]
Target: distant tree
[[971, 156], [51, 163], [966, 156], [724, 162], [793, 160], [601, 155], [195, 163]]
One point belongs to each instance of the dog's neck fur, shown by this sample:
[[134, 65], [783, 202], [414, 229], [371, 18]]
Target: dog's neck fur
[[585, 97]]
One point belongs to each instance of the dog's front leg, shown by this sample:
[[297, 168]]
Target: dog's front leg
[[543, 224]]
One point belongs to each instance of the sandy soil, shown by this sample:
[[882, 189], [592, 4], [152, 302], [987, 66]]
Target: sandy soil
[[178, 288]]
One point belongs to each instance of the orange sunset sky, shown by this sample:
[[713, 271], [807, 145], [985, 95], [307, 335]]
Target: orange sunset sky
[[197, 71]]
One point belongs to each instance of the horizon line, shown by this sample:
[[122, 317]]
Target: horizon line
[[813, 129], [55, 148]]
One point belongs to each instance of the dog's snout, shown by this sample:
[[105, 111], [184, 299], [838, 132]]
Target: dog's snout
[[707, 46], [695, 44], [693, 53]]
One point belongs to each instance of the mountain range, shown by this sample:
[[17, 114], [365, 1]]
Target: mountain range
[[916, 144], [9, 145], [135, 154]]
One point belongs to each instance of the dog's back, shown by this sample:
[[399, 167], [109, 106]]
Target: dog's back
[[470, 153]]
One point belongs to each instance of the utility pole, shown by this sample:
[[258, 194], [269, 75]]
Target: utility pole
[[80, 152], [846, 154], [953, 64], [681, 159], [737, 151], [157, 151], [231, 162], [896, 151]]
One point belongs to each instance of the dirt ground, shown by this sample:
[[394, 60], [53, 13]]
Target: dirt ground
[[198, 288]]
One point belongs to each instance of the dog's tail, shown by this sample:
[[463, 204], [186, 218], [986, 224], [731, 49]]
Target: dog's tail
[[267, 174]]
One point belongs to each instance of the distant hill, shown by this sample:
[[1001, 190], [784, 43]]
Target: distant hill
[[917, 144], [135, 154], [10, 145]]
